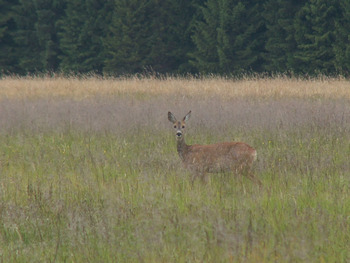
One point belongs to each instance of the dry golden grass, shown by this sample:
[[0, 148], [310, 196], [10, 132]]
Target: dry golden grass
[[89, 171], [80, 88]]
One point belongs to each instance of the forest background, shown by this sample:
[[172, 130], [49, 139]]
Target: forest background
[[227, 37], [88, 164]]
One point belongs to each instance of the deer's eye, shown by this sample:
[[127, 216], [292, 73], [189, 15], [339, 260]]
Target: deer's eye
[[174, 126], [183, 126]]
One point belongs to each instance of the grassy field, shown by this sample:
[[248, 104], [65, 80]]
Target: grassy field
[[89, 171]]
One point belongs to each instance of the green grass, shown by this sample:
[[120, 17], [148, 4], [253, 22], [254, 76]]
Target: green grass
[[120, 194], [84, 197]]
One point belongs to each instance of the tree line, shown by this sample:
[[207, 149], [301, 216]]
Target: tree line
[[227, 37]]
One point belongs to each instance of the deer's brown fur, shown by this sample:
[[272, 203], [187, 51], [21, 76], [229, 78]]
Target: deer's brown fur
[[236, 157]]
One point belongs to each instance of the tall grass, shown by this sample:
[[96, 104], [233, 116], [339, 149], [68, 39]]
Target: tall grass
[[89, 171], [92, 86]]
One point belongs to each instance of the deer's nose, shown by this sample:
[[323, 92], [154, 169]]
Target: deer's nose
[[179, 134]]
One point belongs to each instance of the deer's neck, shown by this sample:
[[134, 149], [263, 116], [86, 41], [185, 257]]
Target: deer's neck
[[182, 148]]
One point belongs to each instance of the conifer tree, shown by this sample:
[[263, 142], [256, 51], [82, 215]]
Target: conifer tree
[[170, 40], [81, 34], [341, 45], [250, 41], [48, 13], [36, 35], [149, 35], [127, 43], [315, 35], [26, 38], [205, 58], [7, 28], [166, 36], [230, 37], [280, 44]]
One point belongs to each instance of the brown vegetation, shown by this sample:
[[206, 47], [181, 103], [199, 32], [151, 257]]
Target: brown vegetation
[[89, 171], [80, 88]]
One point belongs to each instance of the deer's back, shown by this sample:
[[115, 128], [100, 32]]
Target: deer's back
[[219, 157]]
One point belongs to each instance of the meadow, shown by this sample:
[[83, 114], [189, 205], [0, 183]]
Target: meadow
[[89, 170]]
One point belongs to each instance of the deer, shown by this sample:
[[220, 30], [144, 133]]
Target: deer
[[236, 157]]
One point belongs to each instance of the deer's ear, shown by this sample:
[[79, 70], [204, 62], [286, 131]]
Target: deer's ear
[[171, 117], [187, 117]]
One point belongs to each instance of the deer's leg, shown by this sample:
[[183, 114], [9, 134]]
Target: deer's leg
[[205, 177], [252, 177], [195, 174], [246, 170], [202, 175]]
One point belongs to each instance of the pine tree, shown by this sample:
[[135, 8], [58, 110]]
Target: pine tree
[[26, 38], [315, 35], [48, 13], [341, 45], [127, 43], [170, 40], [205, 58], [250, 41], [149, 35], [280, 45], [36, 35], [81, 34], [230, 37], [7, 27]]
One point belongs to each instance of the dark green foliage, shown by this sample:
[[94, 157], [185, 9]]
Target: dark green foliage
[[36, 37], [315, 36], [48, 12], [26, 38], [249, 41], [170, 40], [280, 43], [127, 43], [342, 39], [227, 37], [149, 36], [205, 57], [230, 37], [7, 27], [83, 28]]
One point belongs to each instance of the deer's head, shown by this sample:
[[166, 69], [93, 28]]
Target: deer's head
[[179, 126]]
